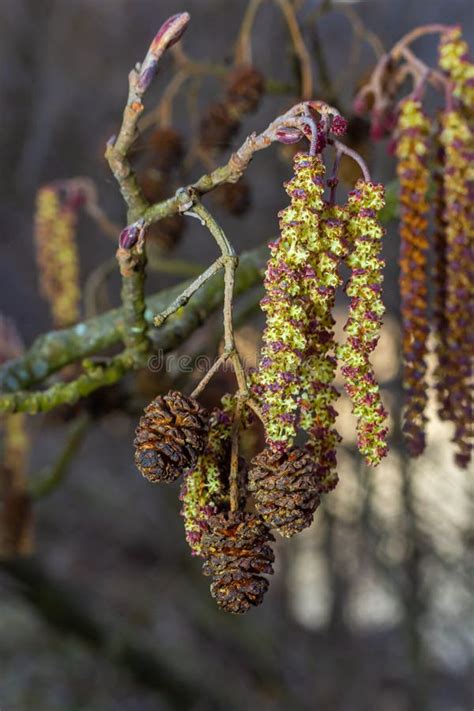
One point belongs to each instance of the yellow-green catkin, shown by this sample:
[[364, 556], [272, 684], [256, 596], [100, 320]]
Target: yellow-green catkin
[[365, 315], [204, 491], [277, 383], [318, 368], [455, 61], [57, 256], [16, 522]]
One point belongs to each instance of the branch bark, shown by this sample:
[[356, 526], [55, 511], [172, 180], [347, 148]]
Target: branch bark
[[54, 350]]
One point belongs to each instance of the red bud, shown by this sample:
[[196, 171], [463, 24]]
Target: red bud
[[129, 236], [289, 135]]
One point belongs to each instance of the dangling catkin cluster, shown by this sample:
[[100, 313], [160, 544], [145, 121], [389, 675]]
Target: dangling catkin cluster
[[295, 378], [57, 255], [412, 151], [292, 391], [435, 168]]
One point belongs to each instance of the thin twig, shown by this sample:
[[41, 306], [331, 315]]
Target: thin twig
[[238, 162], [139, 81], [342, 148], [301, 51], [362, 32], [185, 296], [96, 279], [52, 351], [234, 456], [250, 402], [415, 34], [54, 477], [210, 373], [382, 74], [243, 46]]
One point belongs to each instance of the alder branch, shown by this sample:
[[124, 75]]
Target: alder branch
[[130, 324], [59, 348]]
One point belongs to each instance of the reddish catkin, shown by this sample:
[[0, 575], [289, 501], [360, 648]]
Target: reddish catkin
[[457, 141], [412, 151], [365, 315], [440, 322], [57, 255]]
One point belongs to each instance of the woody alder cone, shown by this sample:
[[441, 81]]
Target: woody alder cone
[[245, 89], [285, 489], [237, 551], [170, 436]]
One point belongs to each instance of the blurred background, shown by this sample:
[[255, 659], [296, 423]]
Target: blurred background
[[369, 609]]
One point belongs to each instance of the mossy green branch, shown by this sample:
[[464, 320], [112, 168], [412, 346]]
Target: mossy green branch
[[59, 348]]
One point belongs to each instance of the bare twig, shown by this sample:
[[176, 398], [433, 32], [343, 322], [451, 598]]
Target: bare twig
[[301, 51], [184, 297], [52, 351], [210, 373], [342, 148], [385, 79], [132, 257], [239, 161], [243, 46], [234, 455], [139, 81], [49, 481]]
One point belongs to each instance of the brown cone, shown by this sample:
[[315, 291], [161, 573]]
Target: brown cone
[[170, 436], [234, 197], [237, 552], [245, 89], [285, 489], [167, 148], [218, 126]]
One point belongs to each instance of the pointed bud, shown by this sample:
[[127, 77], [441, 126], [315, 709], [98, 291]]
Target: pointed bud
[[168, 34], [289, 135], [129, 236]]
